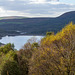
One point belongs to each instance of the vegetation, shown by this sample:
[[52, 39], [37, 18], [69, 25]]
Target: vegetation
[[56, 55], [53, 55], [10, 68], [49, 33], [8, 60], [34, 26]]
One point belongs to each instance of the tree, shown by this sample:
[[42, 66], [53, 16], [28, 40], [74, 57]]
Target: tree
[[49, 33], [10, 68], [8, 60], [6, 48], [25, 54], [56, 55]]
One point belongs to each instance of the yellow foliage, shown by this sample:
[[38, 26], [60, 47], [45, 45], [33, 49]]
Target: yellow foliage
[[56, 55]]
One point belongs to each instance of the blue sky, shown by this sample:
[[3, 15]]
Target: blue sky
[[68, 1], [35, 8]]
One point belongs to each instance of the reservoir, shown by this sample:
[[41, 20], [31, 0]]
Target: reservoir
[[18, 41]]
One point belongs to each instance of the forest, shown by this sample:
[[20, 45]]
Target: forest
[[53, 55], [35, 25]]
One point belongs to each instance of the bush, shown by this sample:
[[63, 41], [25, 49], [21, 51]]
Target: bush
[[10, 68], [6, 48], [49, 33]]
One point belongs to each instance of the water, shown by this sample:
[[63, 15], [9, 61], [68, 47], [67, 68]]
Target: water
[[18, 41]]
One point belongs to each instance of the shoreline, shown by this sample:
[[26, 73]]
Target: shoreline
[[19, 38], [21, 35]]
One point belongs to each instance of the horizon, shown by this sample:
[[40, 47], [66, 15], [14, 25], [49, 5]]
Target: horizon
[[35, 8], [35, 16]]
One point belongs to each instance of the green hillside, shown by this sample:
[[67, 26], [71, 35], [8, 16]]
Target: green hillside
[[34, 26]]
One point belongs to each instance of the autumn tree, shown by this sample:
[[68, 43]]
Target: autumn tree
[[56, 55], [25, 54]]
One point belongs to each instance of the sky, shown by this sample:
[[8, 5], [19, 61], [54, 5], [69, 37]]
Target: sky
[[35, 8]]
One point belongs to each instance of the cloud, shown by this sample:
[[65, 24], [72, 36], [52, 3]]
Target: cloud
[[34, 8]]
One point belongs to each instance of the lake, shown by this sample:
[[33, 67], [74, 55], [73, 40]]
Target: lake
[[18, 41]]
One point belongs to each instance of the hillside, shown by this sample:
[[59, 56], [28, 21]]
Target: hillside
[[12, 17], [35, 26]]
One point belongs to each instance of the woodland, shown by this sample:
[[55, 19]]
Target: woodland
[[53, 55]]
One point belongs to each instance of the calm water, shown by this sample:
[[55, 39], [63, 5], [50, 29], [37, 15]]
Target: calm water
[[18, 41]]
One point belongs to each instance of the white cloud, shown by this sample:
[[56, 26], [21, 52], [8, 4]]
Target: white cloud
[[43, 1], [10, 12], [38, 0], [11, 0], [34, 8]]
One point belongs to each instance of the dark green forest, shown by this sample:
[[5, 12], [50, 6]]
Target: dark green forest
[[53, 55], [34, 26]]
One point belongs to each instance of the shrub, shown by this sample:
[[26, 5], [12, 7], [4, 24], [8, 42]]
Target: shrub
[[10, 68]]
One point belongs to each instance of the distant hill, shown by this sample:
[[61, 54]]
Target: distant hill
[[12, 17], [34, 26]]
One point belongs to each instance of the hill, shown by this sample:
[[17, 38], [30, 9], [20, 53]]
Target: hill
[[12, 17], [34, 26]]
